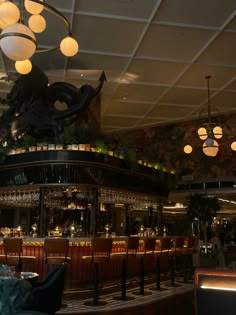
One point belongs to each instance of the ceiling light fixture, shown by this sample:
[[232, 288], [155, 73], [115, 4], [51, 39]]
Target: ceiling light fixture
[[209, 132], [18, 41]]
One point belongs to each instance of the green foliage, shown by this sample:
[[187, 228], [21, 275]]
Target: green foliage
[[203, 207]]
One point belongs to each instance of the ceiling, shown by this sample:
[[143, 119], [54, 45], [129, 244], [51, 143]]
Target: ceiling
[[155, 54]]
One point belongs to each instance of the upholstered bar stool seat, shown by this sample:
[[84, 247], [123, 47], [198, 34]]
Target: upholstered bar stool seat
[[149, 245], [56, 251], [130, 251], [100, 253], [162, 254], [13, 249], [176, 258]]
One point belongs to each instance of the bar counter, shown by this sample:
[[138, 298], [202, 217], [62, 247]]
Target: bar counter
[[79, 272]]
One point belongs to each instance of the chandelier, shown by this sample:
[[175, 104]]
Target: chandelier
[[18, 41], [210, 133]]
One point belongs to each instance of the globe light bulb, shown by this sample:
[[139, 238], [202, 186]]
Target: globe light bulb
[[9, 13], [33, 7], [23, 67], [17, 47], [69, 46], [202, 132], [218, 132], [233, 146], [37, 23], [188, 149]]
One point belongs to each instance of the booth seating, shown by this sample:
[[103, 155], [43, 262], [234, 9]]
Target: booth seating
[[130, 251], [56, 251], [100, 253], [13, 253], [149, 245]]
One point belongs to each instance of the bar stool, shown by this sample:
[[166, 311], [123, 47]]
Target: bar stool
[[130, 250], [56, 251], [163, 253], [100, 253], [13, 249], [176, 255], [188, 251], [149, 245]]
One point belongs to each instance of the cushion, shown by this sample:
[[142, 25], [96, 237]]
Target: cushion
[[15, 294]]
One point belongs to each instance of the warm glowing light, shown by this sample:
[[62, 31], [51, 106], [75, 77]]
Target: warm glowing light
[[218, 132], [23, 67], [37, 23], [16, 47], [233, 146], [33, 7], [218, 288], [9, 13], [202, 132], [210, 147], [69, 46], [188, 149]]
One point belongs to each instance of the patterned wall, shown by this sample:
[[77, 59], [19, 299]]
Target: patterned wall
[[165, 144]]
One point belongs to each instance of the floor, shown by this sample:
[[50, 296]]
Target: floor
[[169, 301]]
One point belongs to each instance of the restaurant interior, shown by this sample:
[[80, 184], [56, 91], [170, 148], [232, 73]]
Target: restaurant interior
[[118, 141]]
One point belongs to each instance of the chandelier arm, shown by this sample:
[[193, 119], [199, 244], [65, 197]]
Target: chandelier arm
[[50, 8]]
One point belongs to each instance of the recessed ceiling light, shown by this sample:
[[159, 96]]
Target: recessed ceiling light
[[81, 75]]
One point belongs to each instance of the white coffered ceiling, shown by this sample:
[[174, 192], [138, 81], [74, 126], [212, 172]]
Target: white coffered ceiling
[[155, 54]]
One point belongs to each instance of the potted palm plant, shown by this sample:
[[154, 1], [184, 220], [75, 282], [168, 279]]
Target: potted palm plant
[[203, 208]]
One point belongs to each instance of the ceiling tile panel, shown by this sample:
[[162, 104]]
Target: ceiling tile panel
[[127, 109], [195, 76], [113, 66], [184, 96], [221, 51], [165, 111], [140, 93], [154, 72], [107, 35], [127, 8], [198, 12], [176, 43]]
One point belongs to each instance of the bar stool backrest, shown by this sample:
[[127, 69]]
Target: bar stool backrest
[[12, 245], [56, 245], [132, 244], [149, 244], [179, 242], [101, 246], [165, 244], [190, 242]]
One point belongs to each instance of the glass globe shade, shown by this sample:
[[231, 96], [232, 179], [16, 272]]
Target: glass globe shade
[[37, 23], [210, 148], [23, 67], [2, 25], [69, 46], [218, 132], [33, 7], [188, 149], [233, 146], [202, 132], [9, 13], [16, 47]]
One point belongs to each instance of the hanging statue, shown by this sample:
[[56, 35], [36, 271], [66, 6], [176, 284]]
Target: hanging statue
[[32, 108]]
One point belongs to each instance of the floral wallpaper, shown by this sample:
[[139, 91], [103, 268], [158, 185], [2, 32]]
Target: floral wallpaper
[[164, 144]]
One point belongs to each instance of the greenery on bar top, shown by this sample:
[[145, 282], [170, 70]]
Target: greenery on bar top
[[99, 142]]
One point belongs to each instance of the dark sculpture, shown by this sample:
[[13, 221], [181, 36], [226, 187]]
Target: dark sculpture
[[31, 106]]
